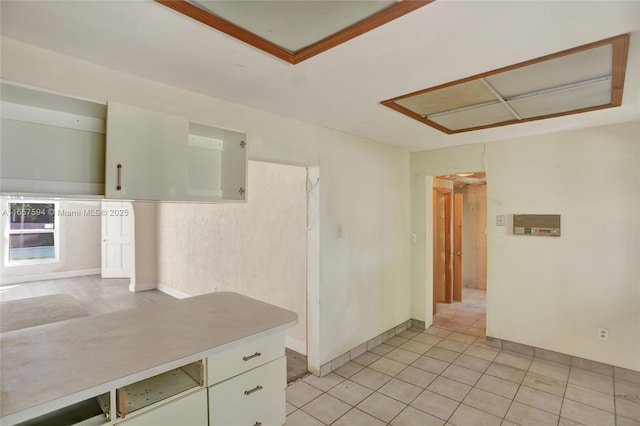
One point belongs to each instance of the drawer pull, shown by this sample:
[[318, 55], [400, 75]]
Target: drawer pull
[[247, 358], [258, 424], [256, 389]]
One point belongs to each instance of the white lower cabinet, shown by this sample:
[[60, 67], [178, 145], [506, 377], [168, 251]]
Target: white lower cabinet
[[246, 387], [254, 398], [232, 362], [190, 410]]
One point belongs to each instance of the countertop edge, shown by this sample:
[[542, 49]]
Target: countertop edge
[[29, 412]]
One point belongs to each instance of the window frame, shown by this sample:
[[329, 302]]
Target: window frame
[[8, 232]]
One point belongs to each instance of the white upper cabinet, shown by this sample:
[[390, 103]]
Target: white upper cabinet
[[157, 156], [50, 144], [146, 154], [217, 164], [56, 145]]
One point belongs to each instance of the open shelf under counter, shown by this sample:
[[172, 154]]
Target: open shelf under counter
[[90, 412], [50, 367], [145, 393]]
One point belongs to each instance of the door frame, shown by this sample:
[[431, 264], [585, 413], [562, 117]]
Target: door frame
[[448, 284], [457, 246]]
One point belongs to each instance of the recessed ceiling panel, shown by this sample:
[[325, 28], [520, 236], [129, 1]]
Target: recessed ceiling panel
[[294, 30], [474, 117], [293, 24], [562, 101], [577, 80], [581, 66], [448, 98]]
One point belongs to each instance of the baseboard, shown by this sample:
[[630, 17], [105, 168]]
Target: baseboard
[[172, 291], [565, 359], [18, 279], [364, 347], [295, 345], [136, 287]]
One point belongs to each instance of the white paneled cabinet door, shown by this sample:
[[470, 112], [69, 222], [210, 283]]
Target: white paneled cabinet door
[[146, 154]]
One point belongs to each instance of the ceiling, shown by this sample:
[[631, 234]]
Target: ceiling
[[293, 25], [341, 88]]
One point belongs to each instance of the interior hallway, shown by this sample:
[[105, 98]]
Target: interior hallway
[[468, 316]]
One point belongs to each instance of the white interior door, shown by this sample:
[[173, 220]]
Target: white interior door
[[117, 239]]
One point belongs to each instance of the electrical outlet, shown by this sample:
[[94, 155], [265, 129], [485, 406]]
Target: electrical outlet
[[603, 333]]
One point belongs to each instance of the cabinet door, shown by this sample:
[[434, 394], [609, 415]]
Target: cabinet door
[[256, 397], [146, 154], [189, 410], [234, 166]]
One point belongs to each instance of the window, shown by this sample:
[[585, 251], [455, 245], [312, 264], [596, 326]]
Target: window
[[31, 232]]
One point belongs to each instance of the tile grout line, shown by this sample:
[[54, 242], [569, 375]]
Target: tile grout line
[[615, 405], [518, 390], [450, 331], [564, 397]]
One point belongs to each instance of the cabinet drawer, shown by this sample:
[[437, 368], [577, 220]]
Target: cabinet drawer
[[256, 397], [189, 410], [235, 361]]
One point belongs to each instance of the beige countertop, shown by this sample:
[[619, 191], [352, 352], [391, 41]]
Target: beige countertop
[[54, 365]]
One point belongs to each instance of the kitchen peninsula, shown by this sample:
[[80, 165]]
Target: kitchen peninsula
[[211, 359]]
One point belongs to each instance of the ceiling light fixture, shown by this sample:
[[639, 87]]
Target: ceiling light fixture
[[582, 79]]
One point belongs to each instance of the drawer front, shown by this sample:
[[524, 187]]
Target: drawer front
[[256, 397], [189, 410], [235, 361]]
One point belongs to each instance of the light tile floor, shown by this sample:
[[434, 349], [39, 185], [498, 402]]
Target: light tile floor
[[442, 376], [467, 316]]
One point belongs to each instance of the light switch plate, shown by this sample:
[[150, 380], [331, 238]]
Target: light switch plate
[[500, 220]]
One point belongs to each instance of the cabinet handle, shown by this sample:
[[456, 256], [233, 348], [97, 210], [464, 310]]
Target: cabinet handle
[[241, 191], [256, 389], [247, 358], [119, 183], [258, 424]]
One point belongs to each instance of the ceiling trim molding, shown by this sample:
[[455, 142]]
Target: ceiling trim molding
[[213, 21], [620, 46], [295, 57]]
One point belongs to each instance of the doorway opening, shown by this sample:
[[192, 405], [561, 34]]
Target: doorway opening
[[459, 252]]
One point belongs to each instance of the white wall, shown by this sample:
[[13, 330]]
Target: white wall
[[144, 276], [257, 248], [549, 292], [365, 272], [363, 286], [554, 293], [79, 245]]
